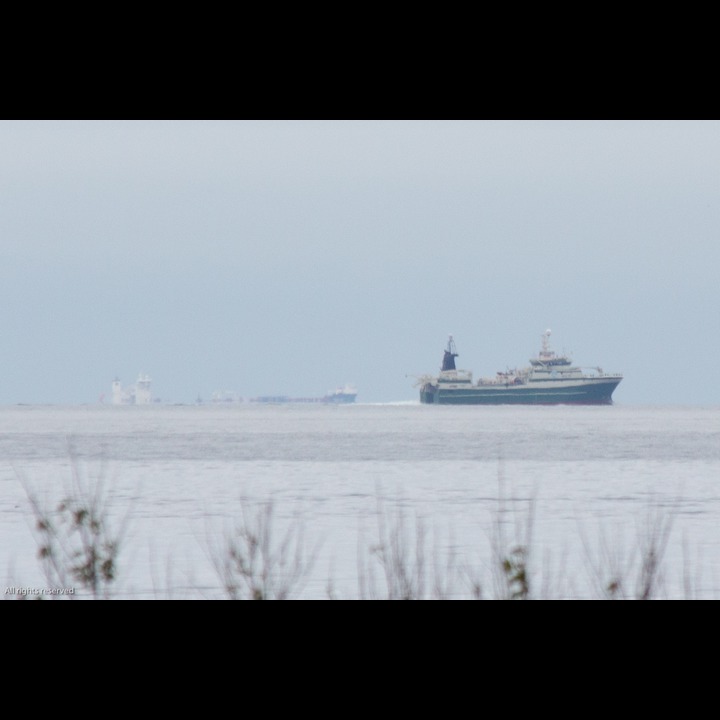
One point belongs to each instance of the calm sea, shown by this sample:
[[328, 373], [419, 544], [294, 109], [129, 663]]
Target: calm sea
[[365, 495]]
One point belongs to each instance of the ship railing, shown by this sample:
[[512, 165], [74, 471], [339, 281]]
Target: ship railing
[[421, 380], [503, 381], [599, 372], [455, 375]]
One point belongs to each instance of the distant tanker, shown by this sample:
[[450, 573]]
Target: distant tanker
[[341, 396]]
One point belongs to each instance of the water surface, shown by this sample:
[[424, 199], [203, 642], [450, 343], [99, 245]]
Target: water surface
[[586, 482]]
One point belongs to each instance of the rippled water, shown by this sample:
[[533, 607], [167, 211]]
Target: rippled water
[[586, 481]]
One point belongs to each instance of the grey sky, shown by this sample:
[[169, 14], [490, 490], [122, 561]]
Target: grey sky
[[270, 257]]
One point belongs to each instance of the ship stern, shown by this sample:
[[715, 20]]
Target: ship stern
[[428, 394]]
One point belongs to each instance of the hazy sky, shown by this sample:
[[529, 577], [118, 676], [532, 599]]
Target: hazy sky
[[290, 257]]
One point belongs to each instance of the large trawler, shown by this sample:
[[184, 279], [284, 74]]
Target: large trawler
[[550, 379]]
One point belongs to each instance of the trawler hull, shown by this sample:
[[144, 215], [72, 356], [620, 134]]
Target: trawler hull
[[584, 393]]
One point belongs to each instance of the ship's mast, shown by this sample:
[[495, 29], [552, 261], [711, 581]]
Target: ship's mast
[[548, 357], [546, 352]]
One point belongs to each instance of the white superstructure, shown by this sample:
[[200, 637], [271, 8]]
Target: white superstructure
[[138, 394]]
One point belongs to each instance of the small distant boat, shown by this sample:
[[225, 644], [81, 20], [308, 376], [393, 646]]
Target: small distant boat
[[549, 380], [226, 397]]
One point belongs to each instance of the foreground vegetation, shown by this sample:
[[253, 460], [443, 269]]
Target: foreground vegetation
[[79, 549]]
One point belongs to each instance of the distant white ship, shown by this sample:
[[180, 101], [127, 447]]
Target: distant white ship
[[137, 394], [226, 397]]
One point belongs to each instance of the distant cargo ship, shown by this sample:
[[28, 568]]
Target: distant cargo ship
[[550, 380], [341, 396]]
